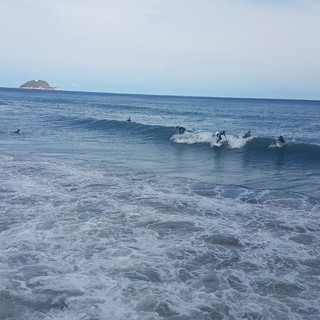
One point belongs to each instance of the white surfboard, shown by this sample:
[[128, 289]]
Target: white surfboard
[[218, 143], [280, 144]]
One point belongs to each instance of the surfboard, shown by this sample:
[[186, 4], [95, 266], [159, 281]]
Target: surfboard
[[280, 144], [218, 144]]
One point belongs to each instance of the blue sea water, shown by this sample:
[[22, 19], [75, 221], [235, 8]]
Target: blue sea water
[[101, 218]]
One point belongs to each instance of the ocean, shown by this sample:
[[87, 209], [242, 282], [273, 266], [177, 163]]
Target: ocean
[[102, 218]]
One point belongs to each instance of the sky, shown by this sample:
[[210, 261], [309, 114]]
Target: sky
[[217, 48]]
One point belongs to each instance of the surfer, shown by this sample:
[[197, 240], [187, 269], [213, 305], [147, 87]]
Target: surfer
[[247, 135], [219, 135], [281, 139], [181, 130], [129, 119], [17, 131]]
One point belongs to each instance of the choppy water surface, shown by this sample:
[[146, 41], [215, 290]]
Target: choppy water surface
[[101, 218]]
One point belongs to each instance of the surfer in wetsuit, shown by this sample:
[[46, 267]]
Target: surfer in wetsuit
[[247, 134], [129, 119], [17, 131], [181, 130], [281, 139], [220, 134]]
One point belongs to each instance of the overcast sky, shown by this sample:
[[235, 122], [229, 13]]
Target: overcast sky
[[220, 48]]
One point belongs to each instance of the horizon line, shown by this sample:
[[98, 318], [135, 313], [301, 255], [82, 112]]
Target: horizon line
[[163, 95]]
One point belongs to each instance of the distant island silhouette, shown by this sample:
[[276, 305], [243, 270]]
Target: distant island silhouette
[[38, 84]]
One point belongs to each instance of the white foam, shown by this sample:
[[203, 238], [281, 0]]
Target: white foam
[[193, 137], [89, 241], [235, 142]]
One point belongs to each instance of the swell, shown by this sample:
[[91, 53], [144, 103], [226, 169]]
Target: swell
[[133, 129], [292, 150], [258, 147]]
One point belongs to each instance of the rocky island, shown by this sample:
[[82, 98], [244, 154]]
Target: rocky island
[[38, 84]]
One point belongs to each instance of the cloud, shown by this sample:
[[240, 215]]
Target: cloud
[[165, 44]]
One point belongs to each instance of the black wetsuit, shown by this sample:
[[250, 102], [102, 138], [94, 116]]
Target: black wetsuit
[[181, 130], [220, 134]]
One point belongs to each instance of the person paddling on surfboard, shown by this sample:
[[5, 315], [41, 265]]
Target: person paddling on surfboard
[[219, 135]]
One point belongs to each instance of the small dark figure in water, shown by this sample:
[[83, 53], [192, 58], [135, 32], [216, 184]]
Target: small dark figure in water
[[129, 119], [220, 134], [181, 130], [247, 134], [281, 139], [17, 131]]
